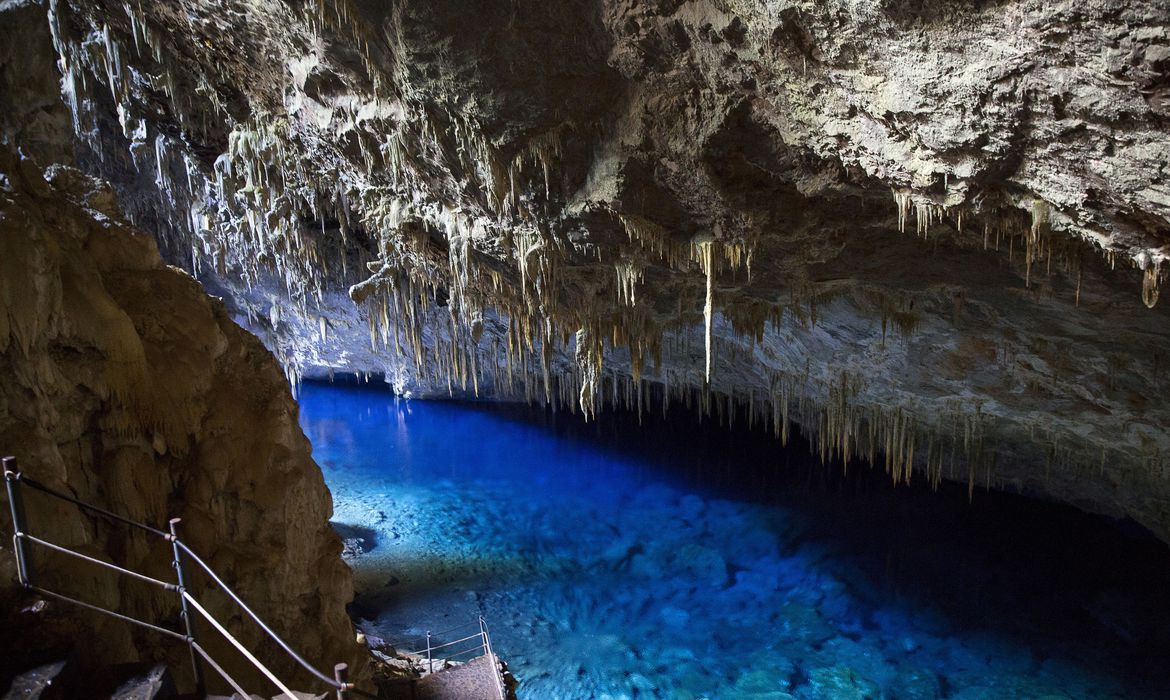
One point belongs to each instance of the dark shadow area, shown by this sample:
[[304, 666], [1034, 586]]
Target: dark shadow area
[[1093, 587], [409, 580], [356, 540]]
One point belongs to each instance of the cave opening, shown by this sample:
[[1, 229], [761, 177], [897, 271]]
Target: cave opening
[[654, 556]]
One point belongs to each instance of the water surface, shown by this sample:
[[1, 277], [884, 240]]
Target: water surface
[[678, 561]]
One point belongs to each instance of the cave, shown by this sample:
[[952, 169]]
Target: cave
[[584, 349]]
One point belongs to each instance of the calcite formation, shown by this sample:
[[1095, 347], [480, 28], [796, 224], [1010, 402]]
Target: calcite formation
[[926, 234], [126, 386]]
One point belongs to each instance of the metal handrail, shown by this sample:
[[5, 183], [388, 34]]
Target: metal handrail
[[219, 669], [33, 483], [111, 613], [457, 641], [255, 618], [497, 671], [239, 647], [485, 645], [465, 625], [127, 572], [14, 479]]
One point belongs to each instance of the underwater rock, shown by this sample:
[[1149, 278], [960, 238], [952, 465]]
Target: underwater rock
[[704, 564], [805, 624], [765, 684], [356, 540], [916, 684], [840, 682]]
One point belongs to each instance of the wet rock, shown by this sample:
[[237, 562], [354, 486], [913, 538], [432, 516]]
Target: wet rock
[[702, 563], [839, 682], [914, 683], [804, 624], [763, 685]]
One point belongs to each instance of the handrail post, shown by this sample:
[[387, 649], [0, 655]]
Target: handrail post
[[12, 483], [185, 612], [430, 663], [341, 674], [497, 671]]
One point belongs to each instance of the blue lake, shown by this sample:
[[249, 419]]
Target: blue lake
[[677, 561]]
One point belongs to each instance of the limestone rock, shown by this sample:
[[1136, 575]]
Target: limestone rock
[[922, 232], [125, 385]]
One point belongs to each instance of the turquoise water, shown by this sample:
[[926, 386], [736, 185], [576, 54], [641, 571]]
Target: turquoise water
[[675, 561]]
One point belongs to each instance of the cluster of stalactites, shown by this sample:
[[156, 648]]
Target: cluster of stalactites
[[247, 207], [535, 329], [1038, 242], [831, 414]]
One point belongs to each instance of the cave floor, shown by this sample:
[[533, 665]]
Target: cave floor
[[679, 567]]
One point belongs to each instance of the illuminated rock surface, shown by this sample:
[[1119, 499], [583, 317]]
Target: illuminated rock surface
[[929, 227]]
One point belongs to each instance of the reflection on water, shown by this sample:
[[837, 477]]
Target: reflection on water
[[670, 561]]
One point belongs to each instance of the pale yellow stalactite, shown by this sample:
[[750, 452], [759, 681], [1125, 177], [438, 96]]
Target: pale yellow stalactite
[[903, 202], [707, 261], [1150, 286]]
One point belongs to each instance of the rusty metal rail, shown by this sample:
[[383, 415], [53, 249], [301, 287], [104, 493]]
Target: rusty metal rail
[[15, 481]]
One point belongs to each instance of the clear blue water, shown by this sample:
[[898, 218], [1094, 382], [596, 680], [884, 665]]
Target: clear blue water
[[676, 561]]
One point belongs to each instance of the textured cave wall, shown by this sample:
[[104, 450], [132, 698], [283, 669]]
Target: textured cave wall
[[934, 229], [33, 113], [126, 385]]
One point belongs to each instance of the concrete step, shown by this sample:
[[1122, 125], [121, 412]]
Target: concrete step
[[474, 680], [300, 696], [47, 682], [155, 684]]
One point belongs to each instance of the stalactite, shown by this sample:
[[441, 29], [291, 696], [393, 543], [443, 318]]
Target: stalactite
[[1150, 280], [903, 201], [629, 275], [707, 261]]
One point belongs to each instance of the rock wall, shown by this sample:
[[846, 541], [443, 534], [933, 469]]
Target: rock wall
[[925, 233], [125, 385], [34, 115]]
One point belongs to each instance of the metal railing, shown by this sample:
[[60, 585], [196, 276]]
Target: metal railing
[[21, 538], [469, 646]]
